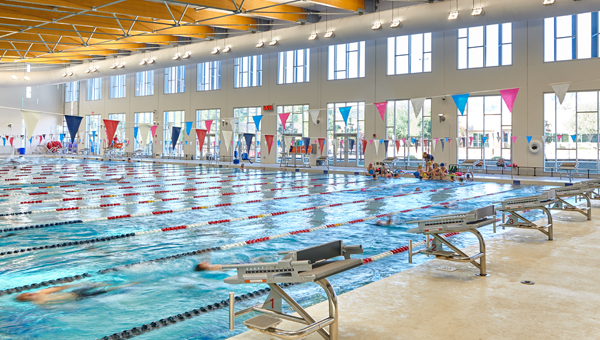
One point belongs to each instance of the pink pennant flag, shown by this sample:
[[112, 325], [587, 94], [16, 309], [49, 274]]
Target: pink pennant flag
[[208, 124], [514, 139], [153, 130], [509, 97], [283, 117], [471, 140], [371, 142], [559, 137], [381, 107], [404, 141], [435, 140]]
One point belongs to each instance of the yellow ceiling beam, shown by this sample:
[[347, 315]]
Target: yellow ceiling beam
[[348, 5], [276, 10]]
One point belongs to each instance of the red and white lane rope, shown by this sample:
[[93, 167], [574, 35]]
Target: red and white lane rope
[[366, 219], [164, 191]]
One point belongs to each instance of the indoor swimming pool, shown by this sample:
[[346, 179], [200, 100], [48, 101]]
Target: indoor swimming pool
[[230, 206]]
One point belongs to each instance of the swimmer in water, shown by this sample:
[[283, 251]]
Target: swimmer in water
[[7, 235], [56, 295], [206, 266], [388, 222], [118, 180], [242, 167], [418, 189]]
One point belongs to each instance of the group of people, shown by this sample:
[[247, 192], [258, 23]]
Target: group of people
[[382, 172]]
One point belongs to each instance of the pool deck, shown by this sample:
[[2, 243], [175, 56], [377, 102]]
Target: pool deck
[[478, 177], [430, 302]]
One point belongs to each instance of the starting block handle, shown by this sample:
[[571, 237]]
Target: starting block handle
[[231, 311]]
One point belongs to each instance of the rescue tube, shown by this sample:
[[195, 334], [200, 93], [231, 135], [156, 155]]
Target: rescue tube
[[535, 146]]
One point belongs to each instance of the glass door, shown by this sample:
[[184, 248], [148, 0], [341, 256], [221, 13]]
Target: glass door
[[345, 149], [92, 134]]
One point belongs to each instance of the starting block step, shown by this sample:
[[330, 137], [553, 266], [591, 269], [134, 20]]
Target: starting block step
[[262, 322]]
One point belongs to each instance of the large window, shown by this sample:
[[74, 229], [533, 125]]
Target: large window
[[94, 89], [294, 66], [355, 126], [209, 76], [71, 92], [175, 79], [173, 119], [401, 123], [120, 133], [245, 124], [346, 61], [92, 134], [571, 37], [144, 83], [577, 117], [143, 143], [211, 144], [297, 122], [485, 116], [248, 71], [485, 46], [409, 54], [117, 86]]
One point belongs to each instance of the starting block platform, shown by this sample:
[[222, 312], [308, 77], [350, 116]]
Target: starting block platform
[[312, 264], [593, 184], [465, 222], [515, 220], [576, 191]]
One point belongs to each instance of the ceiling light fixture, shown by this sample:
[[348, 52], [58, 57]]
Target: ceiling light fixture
[[26, 78], [226, 49], [13, 77], [313, 36], [453, 15], [477, 11], [88, 70], [143, 62], [94, 69], [329, 34], [64, 74], [215, 51], [176, 57], [113, 66], [376, 26], [260, 44], [70, 74], [186, 55], [396, 24], [273, 42], [152, 60], [548, 2], [121, 65]]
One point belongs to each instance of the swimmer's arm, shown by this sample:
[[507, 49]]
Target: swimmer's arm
[[55, 289]]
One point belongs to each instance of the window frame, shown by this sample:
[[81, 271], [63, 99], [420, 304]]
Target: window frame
[[94, 89], [118, 86], [332, 57], [210, 70], [144, 83], [174, 79], [426, 53], [283, 64], [247, 70], [485, 46]]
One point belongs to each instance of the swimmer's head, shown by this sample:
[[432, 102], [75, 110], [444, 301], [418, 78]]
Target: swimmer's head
[[442, 164], [418, 189], [26, 297], [200, 267]]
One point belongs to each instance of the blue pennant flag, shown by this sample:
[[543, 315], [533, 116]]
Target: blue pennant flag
[[93, 134], [529, 139], [257, 121], [345, 112], [4, 141], [175, 136], [248, 137], [461, 102], [306, 141], [352, 142], [413, 140], [30, 140], [73, 123], [574, 138], [484, 139], [135, 132], [62, 136], [188, 127], [385, 142]]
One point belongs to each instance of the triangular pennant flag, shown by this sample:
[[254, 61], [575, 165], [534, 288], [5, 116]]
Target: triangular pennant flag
[[306, 142], [417, 104], [352, 142], [153, 130], [257, 122], [404, 141], [345, 112], [561, 91], [227, 138], [397, 145], [201, 133], [40, 139], [62, 136], [509, 97], [471, 140], [111, 128], [376, 148], [413, 140], [175, 132], [385, 142], [314, 115], [73, 123], [135, 132], [559, 137], [144, 130], [461, 102], [381, 107], [442, 141], [574, 138], [4, 141], [283, 118], [514, 139], [208, 124], [484, 139], [458, 142], [248, 137], [529, 139], [364, 145], [31, 119], [269, 141], [434, 146], [321, 144], [188, 127], [288, 141]]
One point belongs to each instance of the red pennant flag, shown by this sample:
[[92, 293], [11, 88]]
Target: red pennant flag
[[111, 128], [11, 141], [269, 139], [201, 133], [364, 143], [153, 129], [321, 144], [40, 139], [208, 125], [397, 145]]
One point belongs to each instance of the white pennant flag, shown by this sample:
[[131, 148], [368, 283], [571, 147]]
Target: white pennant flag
[[314, 114], [417, 104], [144, 130], [288, 141], [434, 146], [458, 142], [227, 138], [376, 143], [561, 91], [232, 122], [31, 119]]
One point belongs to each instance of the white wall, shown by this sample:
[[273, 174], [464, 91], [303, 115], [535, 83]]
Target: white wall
[[527, 72], [43, 98]]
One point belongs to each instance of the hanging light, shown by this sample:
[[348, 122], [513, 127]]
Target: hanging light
[[477, 11], [88, 70], [260, 44], [121, 65], [94, 69], [14, 77], [273, 42], [313, 36], [226, 49], [26, 78], [376, 26], [64, 74], [176, 57], [143, 62], [548, 2], [113, 66], [70, 74], [152, 60], [215, 51], [186, 55], [396, 24], [453, 15], [329, 34]]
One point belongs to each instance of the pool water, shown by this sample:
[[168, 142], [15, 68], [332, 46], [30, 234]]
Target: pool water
[[171, 287]]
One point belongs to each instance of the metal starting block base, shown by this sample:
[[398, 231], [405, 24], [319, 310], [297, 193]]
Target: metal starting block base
[[312, 264], [515, 220], [466, 222], [575, 191]]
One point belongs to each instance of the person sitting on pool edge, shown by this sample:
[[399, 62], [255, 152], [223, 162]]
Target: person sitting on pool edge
[[370, 169], [55, 294]]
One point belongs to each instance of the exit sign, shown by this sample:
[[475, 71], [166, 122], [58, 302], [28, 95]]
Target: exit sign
[[268, 108]]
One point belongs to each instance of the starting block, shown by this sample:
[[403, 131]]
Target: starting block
[[576, 191], [515, 220], [593, 184], [465, 222], [312, 264]]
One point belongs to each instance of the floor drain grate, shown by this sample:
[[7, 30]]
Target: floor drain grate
[[528, 282]]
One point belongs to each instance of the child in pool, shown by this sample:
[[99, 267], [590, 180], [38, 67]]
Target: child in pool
[[419, 173], [443, 171], [370, 170]]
